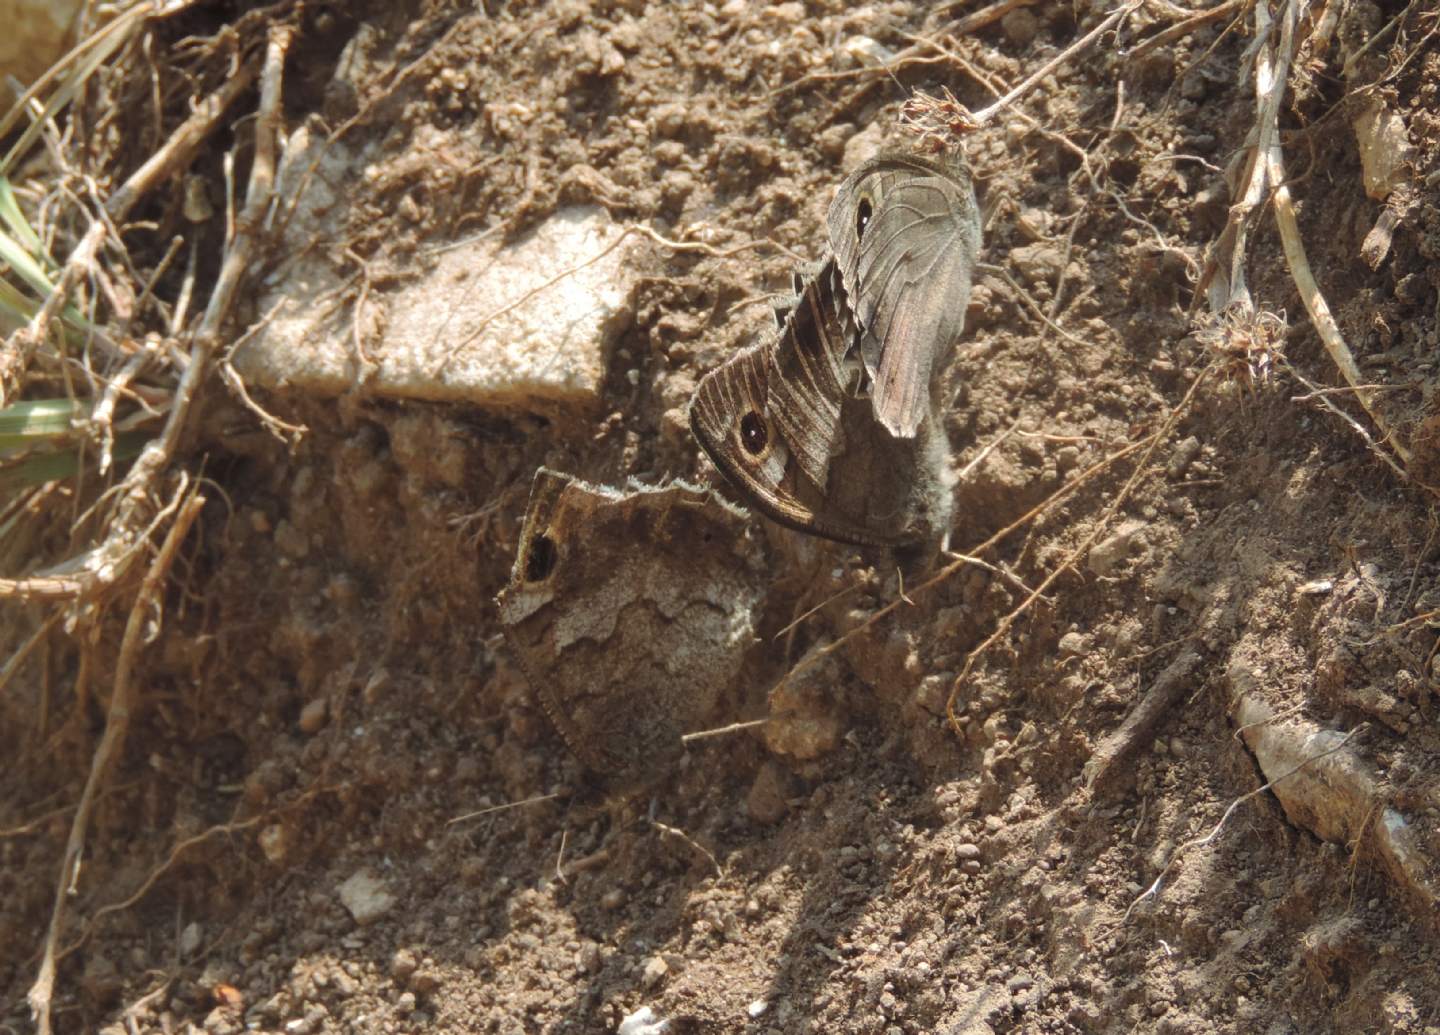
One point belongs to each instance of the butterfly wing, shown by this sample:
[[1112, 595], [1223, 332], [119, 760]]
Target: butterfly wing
[[905, 232], [629, 612], [778, 420]]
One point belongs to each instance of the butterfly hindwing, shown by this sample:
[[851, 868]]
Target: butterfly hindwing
[[781, 420]]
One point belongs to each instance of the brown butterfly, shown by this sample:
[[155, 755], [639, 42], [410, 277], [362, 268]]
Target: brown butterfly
[[905, 233], [630, 613], [782, 420]]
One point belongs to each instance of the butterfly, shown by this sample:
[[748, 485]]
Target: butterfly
[[630, 612], [782, 420], [905, 233]]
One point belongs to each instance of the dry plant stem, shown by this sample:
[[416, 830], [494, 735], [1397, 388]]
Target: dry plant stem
[[1201, 842], [984, 115], [1271, 161], [123, 700], [689, 842], [13, 663], [175, 154], [1186, 26], [722, 731], [1224, 276], [180, 148], [110, 562], [977, 20], [1320, 396], [102, 416], [1324, 322], [501, 808], [139, 893], [1003, 626], [17, 354]]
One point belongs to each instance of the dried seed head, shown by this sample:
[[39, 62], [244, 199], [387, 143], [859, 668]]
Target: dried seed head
[[1248, 343]]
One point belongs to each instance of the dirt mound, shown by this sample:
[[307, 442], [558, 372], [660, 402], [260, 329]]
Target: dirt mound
[[1200, 551]]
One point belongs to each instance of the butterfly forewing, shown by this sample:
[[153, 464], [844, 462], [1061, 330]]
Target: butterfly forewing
[[905, 232]]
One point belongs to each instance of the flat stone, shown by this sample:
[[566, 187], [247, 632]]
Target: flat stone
[[366, 897], [526, 325]]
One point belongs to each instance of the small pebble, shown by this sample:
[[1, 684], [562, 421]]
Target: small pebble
[[655, 970], [314, 715]]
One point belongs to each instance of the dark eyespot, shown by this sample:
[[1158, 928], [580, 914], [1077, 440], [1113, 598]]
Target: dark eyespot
[[540, 561], [753, 435], [863, 212]]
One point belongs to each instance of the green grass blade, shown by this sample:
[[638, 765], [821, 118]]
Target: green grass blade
[[82, 60], [40, 468], [33, 421], [15, 219], [24, 264]]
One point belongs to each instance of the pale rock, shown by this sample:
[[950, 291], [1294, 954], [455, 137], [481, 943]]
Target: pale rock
[[366, 897], [642, 1022], [450, 332], [1384, 149]]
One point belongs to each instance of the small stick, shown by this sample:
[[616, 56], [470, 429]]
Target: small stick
[[984, 115], [685, 838], [500, 808], [1324, 400], [977, 20], [110, 562], [721, 731], [123, 701], [1160, 700], [1185, 27], [13, 663], [102, 416]]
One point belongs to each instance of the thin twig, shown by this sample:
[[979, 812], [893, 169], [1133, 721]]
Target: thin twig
[[500, 808], [123, 702], [984, 115], [1201, 842], [1186, 26], [722, 731], [1002, 627], [686, 839]]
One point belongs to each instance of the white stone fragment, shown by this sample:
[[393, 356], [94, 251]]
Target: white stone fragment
[[642, 1022], [366, 897], [523, 325]]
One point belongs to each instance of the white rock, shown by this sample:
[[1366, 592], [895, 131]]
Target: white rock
[[366, 897], [449, 334], [642, 1022], [190, 940], [1384, 150]]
